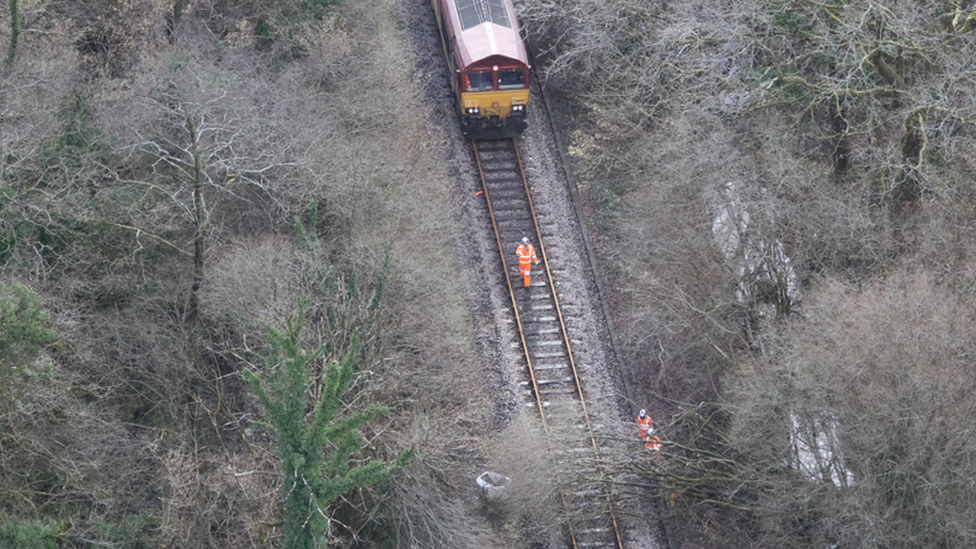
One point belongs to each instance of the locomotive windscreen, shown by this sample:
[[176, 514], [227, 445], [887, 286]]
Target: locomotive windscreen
[[476, 12]]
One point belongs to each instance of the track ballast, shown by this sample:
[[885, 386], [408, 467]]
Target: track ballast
[[552, 382]]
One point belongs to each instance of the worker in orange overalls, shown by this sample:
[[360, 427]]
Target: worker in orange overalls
[[646, 429], [526, 256]]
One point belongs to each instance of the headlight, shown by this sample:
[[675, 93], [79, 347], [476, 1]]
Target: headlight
[[518, 108], [471, 110]]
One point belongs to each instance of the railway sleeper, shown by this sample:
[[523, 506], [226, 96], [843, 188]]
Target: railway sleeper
[[514, 225], [538, 356], [498, 163], [533, 329], [502, 184], [606, 544], [532, 319], [531, 326], [536, 333], [533, 338], [500, 173], [519, 223], [592, 531], [506, 189], [537, 319], [507, 180], [514, 220], [511, 208], [553, 366], [554, 392], [556, 387], [510, 216], [543, 342], [491, 161], [546, 330], [549, 385], [554, 381], [505, 200], [545, 360], [595, 540]]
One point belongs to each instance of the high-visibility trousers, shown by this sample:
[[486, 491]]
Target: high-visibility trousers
[[526, 270]]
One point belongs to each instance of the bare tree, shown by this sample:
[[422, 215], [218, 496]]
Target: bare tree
[[884, 363], [823, 112], [204, 152]]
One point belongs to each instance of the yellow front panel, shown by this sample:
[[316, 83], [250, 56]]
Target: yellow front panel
[[494, 103]]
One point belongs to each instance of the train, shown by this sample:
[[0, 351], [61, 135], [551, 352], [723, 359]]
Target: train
[[489, 66]]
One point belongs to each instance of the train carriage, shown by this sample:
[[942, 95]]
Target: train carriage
[[488, 63]]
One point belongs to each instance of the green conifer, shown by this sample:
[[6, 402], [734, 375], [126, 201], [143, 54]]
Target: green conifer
[[315, 446]]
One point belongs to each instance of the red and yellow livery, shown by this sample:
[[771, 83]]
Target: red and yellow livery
[[488, 63]]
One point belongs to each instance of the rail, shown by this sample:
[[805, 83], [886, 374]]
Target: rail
[[551, 368]]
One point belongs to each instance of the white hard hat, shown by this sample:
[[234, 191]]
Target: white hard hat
[[525, 239], [643, 413]]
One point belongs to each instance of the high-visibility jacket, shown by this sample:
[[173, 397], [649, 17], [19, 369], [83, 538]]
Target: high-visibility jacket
[[526, 255], [646, 427], [653, 444]]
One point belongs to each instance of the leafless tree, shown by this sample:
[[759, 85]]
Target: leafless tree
[[820, 113], [205, 151]]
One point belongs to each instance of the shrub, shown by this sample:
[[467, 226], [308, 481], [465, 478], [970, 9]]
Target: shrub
[[29, 534]]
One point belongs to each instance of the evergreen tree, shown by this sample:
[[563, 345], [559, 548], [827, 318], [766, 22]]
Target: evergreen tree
[[315, 446], [14, 33], [23, 334]]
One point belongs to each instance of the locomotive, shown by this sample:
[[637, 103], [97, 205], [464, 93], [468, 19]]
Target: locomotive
[[488, 63]]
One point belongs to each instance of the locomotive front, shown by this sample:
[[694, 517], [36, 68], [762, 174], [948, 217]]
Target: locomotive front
[[490, 66], [494, 96]]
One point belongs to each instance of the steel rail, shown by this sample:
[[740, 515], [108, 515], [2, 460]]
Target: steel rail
[[508, 282], [565, 335], [618, 539], [515, 310]]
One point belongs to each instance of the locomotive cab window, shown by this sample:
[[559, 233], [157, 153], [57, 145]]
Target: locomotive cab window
[[476, 81], [511, 79]]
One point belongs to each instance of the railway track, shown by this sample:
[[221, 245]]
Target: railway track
[[552, 382]]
